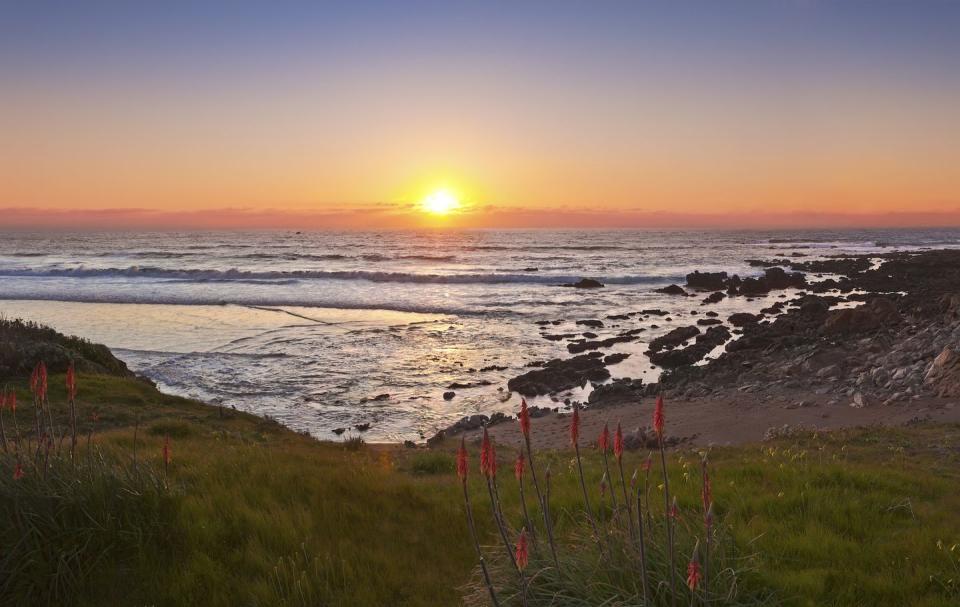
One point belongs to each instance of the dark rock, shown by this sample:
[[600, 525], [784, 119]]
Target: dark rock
[[558, 337], [615, 358], [362, 427], [714, 298], [584, 283], [591, 322], [707, 281], [706, 322], [674, 338], [672, 290], [754, 286], [339, 431], [589, 335], [449, 395], [943, 376], [777, 278], [693, 353], [582, 346], [654, 312], [741, 319], [618, 317], [950, 305], [619, 392], [764, 263], [459, 386], [492, 368], [646, 438], [557, 375], [880, 312]]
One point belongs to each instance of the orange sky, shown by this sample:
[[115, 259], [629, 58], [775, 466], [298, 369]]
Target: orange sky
[[576, 123]]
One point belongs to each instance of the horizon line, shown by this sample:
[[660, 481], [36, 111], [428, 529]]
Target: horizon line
[[498, 218]]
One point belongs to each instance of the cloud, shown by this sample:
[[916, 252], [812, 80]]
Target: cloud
[[393, 216]]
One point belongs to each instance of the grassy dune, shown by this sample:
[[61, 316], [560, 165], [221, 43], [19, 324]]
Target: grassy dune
[[254, 514]]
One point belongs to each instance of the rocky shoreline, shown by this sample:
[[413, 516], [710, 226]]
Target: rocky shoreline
[[859, 332]]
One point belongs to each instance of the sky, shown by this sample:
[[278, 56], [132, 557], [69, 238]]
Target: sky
[[554, 114]]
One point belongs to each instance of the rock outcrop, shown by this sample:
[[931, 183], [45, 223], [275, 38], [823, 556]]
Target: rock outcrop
[[943, 376], [557, 375]]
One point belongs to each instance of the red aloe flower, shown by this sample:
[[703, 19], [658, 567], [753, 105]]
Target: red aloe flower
[[519, 466], [658, 417], [575, 426], [603, 442], [71, 382], [166, 450], [462, 460], [488, 456], [34, 376], [18, 472], [522, 554], [647, 463], [618, 443], [524, 418], [693, 574]]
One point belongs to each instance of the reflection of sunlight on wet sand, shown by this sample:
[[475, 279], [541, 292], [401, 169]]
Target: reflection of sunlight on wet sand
[[174, 328]]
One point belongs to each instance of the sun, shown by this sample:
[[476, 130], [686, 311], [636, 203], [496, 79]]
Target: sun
[[440, 202]]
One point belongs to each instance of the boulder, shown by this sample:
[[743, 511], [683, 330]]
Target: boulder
[[679, 357], [713, 297], [777, 278], [742, 319], [557, 375], [591, 322], [584, 283], [880, 312], [620, 392], [943, 375], [707, 281], [950, 305], [672, 290], [448, 395], [616, 357], [860, 400], [674, 338]]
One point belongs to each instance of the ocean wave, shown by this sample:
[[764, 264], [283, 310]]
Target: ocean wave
[[597, 247], [205, 275], [250, 301]]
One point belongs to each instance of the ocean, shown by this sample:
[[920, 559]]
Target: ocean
[[330, 330]]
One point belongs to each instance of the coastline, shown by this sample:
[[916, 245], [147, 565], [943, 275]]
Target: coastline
[[794, 365], [857, 348]]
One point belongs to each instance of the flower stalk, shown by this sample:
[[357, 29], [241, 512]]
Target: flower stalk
[[575, 439], [462, 469], [658, 424], [543, 499]]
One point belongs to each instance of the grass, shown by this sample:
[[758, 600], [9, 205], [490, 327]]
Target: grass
[[254, 514]]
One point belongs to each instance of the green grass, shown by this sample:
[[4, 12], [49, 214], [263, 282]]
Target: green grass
[[253, 514]]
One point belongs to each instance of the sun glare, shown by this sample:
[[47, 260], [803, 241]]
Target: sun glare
[[440, 202]]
